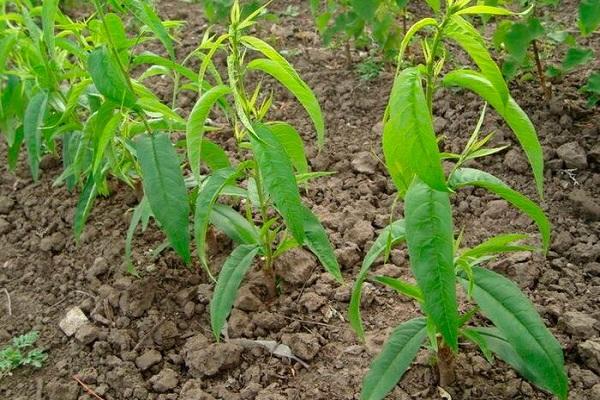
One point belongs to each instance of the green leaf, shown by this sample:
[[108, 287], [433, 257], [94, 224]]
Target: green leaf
[[516, 118], [516, 318], [298, 88], [416, 27], [497, 244], [84, 206], [145, 13], [6, 45], [109, 79], [434, 4], [430, 237], [395, 358], [229, 281], [409, 143], [278, 177], [32, 130], [589, 16], [475, 337], [575, 57], [317, 241], [402, 287], [519, 36], [291, 141], [207, 196], [165, 189], [136, 218], [365, 8], [391, 235], [14, 149], [213, 155], [195, 125], [483, 10], [471, 41], [154, 59], [107, 132], [234, 225], [473, 177], [49, 10]]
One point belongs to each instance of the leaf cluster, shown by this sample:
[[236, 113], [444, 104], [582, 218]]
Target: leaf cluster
[[15, 355]]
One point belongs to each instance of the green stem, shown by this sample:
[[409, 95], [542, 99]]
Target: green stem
[[113, 50]]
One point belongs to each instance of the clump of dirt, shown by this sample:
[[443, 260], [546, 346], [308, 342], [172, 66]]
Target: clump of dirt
[[150, 338]]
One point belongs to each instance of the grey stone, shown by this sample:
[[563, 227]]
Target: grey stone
[[573, 155], [74, 320], [165, 380], [148, 359]]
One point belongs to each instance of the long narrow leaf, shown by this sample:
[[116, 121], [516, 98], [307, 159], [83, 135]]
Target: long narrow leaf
[[391, 235], [165, 189], [430, 237], [108, 78], [516, 118], [395, 358], [318, 242], [32, 129], [229, 281], [516, 318], [473, 177]]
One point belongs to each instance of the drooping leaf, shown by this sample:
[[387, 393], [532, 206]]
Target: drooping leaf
[[401, 286], [365, 8], [317, 241], [109, 79], [278, 177], [409, 143], [32, 130], [459, 30], [575, 57], [515, 117], [234, 225], [195, 125], [291, 141], [517, 320], [165, 189], [473, 177], [391, 235], [84, 206], [395, 358], [589, 16], [430, 237], [213, 155], [496, 245], [230, 278], [298, 88], [206, 198], [416, 27], [49, 10], [145, 13]]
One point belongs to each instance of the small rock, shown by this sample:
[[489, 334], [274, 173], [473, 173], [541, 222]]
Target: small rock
[[148, 359], [496, 209], [5, 226], [348, 256], [192, 390], [562, 242], [74, 320], [364, 163], [343, 293], [586, 204], [573, 155], [360, 233], [247, 301], [295, 266], [6, 204], [204, 293], [590, 353], [56, 390], [577, 323], [165, 380], [87, 334], [389, 270], [212, 359], [166, 334], [100, 267], [312, 301], [595, 152], [516, 161], [377, 129], [303, 345]]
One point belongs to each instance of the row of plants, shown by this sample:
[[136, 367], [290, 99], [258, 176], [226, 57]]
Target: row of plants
[[76, 88]]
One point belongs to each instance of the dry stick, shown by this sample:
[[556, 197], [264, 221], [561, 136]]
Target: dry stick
[[87, 388], [147, 334], [9, 303], [540, 70]]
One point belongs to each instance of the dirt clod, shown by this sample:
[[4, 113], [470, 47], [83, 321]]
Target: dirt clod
[[295, 266], [573, 155], [212, 359], [148, 359], [165, 380], [303, 345]]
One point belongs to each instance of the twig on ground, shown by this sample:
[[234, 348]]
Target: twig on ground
[[9, 303], [147, 334], [87, 388]]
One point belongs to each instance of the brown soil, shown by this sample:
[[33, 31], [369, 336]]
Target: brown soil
[[149, 338]]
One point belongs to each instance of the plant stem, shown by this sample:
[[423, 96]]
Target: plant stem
[[446, 366], [430, 86], [540, 70], [122, 68], [266, 239]]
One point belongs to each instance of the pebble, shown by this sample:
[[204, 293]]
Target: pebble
[[148, 359], [588, 206], [87, 334], [74, 320], [590, 353], [165, 380], [573, 155], [6, 204], [578, 324]]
